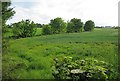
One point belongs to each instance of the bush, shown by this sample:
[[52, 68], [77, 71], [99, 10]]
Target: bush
[[24, 29], [47, 30], [10, 71], [85, 70]]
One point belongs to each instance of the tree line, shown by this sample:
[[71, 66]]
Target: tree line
[[27, 28]]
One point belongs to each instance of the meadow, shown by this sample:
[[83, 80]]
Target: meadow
[[32, 57]]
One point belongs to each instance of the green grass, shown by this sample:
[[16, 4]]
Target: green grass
[[32, 58], [39, 31]]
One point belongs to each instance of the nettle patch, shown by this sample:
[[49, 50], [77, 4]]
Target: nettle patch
[[87, 69]]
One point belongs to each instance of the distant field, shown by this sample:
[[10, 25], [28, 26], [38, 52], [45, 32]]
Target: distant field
[[32, 58], [39, 31]]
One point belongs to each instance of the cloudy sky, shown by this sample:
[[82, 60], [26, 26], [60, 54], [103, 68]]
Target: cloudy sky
[[102, 12]]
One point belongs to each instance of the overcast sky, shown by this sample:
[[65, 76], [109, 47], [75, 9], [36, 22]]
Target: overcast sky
[[102, 12]]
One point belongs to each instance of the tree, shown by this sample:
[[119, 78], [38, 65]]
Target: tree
[[7, 13], [39, 25], [75, 25], [58, 25], [70, 27], [24, 29], [89, 25], [47, 30]]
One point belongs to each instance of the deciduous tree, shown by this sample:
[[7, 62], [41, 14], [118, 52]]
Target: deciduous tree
[[25, 28], [47, 30], [7, 13], [75, 25], [58, 25], [89, 25]]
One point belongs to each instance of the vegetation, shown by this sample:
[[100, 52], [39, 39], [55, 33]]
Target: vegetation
[[24, 29], [75, 25], [58, 25], [33, 60], [85, 69], [60, 50], [89, 25], [47, 30], [7, 13], [39, 25]]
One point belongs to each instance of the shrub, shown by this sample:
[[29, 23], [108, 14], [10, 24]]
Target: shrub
[[85, 70], [24, 29], [10, 68]]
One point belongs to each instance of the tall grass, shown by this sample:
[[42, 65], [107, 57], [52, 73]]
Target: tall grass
[[32, 58]]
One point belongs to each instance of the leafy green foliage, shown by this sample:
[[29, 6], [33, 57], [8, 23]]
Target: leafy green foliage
[[86, 69], [24, 29], [47, 30], [15, 65], [89, 25], [75, 25], [39, 25], [7, 13], [58, 25], [5, 45]]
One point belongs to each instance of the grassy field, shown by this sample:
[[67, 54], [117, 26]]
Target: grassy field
[[32, 58]]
